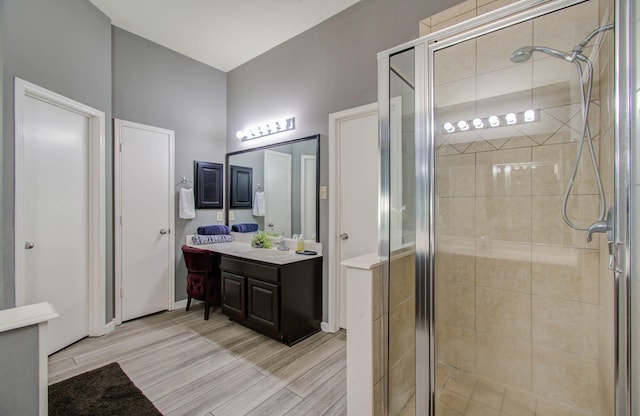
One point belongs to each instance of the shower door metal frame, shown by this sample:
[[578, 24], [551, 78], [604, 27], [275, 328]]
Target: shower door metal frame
[[425, 48]]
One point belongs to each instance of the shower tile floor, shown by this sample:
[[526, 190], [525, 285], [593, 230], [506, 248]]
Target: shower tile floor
[[460, 393]]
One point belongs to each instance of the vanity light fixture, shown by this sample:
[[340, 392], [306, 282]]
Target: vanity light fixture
[[265, 129], [493, 121]]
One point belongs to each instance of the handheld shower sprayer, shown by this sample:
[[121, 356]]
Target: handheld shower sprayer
[[585, 75]]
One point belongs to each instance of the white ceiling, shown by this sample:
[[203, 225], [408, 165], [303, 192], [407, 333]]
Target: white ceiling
[[221, 33]]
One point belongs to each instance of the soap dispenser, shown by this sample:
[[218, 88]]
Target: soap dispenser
[[300, 246]]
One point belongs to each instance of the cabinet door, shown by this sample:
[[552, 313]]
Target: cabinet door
[[233, 298], [263, 306]]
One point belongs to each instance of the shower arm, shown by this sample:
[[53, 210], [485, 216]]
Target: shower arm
[[580, 46]]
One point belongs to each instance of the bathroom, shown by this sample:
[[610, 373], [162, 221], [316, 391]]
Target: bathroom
[[517, 346]]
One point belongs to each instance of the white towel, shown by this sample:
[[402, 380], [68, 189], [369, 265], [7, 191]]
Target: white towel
[[259, 208], [187, 206]]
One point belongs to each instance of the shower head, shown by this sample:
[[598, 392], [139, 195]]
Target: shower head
[[524, 54]]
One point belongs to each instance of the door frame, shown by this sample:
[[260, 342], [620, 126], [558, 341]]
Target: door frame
[[118, 124], [332, 322], [305, 190], [97, 209]]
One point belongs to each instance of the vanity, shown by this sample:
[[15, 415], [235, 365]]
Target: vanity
[[276, 293]]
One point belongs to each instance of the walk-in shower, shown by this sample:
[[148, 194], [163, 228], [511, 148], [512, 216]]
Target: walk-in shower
[[502, 139], [585, 75]]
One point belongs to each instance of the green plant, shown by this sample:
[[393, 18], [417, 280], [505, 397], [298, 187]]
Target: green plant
[[261, 239]]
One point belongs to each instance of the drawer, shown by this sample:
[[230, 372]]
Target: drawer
[[249, 268]]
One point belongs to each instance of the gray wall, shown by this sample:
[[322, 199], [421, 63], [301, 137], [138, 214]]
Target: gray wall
[[19, 371], [64, 46], [156, 86], [329, 68], [3, 278]]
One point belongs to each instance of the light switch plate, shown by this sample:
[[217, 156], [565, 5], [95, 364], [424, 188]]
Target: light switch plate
[[231, 216], [323, 192], [219, 216]]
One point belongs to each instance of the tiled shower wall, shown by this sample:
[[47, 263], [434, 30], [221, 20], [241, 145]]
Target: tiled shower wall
[[521, 299], [402, 351]]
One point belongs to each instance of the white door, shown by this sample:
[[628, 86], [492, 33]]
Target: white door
[[358, 210], [144, 209], [59, 205], [277, 192], [308, 196]]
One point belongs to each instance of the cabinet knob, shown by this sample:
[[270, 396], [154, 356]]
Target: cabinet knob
[[28, 245], [164, 231], [344, 236]]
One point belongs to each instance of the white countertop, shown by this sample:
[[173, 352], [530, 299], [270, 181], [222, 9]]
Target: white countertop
[[244, 250], [26, 316], [365, 262]]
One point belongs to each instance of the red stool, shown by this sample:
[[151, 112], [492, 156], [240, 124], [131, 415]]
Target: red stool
[[203, 277]]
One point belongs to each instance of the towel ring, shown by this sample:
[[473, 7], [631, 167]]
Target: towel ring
[[185, 183], [258, 188]]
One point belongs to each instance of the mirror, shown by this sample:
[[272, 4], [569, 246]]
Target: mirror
[[275, 187]]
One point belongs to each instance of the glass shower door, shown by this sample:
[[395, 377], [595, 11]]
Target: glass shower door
[[523, 302]]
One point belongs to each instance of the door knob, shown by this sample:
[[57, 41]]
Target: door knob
[[344, 236], [164, 231], [28, 245]]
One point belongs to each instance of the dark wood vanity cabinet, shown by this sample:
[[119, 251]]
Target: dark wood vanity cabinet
[[233, 290], [281, 301]]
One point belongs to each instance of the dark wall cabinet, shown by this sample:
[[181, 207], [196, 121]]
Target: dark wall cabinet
[[281, 301]]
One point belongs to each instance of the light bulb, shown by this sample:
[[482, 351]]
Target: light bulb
[[240, 134], [462, 125], [511, 118], [494, 121], [448, 127], [477, 123], [529, 116]]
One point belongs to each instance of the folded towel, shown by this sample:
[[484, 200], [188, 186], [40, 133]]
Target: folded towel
[[244, 228], [210, 239], [259, 206], [213, 230], [186, 207]]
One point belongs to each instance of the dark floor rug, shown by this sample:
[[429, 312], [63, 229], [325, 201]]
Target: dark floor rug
[[105, 391]]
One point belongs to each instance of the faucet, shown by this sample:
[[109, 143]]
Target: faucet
[[282, 245]]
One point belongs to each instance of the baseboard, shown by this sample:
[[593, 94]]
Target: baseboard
[[327, 328], [110, 326], [181, 304]]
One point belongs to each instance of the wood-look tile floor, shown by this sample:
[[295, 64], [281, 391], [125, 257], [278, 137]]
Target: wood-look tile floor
[[188, 366]]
